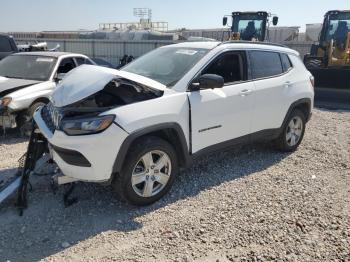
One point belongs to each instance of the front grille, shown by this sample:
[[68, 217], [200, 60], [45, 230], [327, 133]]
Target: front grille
[[51, 116]]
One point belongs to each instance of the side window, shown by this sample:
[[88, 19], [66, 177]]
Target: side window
[[229, 65], [5, 45], [66, 65], [265, 64], [82, 61], [287, 65]]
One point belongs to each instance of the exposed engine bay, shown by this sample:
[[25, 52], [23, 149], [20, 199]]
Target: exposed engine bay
[[116, 93]]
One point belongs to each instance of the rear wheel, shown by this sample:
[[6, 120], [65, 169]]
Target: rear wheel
[[148, 172], [293, 132]]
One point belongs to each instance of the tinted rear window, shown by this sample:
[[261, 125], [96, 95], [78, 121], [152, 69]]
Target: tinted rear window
[[5, 45], [265, 64]]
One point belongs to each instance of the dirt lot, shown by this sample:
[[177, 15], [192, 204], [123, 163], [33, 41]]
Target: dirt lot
[[252, 204]]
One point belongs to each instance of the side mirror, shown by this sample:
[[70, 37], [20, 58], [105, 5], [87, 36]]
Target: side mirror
[[275, 20], [224, 21], [208, 81], [59, 77]]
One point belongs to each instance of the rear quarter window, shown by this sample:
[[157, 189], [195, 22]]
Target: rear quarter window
[[265, 64], [286, 63]]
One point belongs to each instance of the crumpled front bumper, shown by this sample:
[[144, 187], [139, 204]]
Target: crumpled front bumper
[[87, 158]]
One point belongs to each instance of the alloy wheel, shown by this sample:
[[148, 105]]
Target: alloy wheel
[[294, 131], [151, 173]]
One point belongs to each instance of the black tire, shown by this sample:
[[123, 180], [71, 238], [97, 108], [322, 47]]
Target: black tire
[[122, 183], [282, 142], [313, 63], [24, 120]]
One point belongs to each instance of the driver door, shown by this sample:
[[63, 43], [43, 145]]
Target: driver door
[[222, 114]]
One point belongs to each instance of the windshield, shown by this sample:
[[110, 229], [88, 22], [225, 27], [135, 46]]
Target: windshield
[[166, 65], [339, 26], [249, 26], [30, 67]]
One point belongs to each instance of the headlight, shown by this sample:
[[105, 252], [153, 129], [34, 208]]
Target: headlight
[[86, 126], [5, 101]]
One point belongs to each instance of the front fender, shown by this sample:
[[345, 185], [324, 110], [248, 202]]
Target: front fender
[[22, 99]]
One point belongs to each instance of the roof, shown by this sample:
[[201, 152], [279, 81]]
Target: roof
[[258, 45], [236, 45], [46, 53], [199, 44]]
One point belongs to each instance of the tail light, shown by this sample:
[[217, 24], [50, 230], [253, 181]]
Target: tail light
[[312, 80]]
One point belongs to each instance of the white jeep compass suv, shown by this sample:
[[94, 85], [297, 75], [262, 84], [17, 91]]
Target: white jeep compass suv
[[137, 126]]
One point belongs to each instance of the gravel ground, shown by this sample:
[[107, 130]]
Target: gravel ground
[[252, 204]]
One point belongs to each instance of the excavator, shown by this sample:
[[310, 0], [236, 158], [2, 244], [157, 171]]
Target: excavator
[[329, 59], [250, 26]]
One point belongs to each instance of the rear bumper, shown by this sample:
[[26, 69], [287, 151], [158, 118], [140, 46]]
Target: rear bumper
[[87, 158]]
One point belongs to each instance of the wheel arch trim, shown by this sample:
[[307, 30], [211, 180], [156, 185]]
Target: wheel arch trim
[[296, 104], [183, 147]]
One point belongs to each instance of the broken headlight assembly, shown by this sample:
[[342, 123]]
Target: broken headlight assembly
[[86, 126]]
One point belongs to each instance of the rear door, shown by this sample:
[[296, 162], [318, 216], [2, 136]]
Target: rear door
[[272, 89], [222, 114]]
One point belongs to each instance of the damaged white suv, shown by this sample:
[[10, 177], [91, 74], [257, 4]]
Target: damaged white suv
[[136, 127]]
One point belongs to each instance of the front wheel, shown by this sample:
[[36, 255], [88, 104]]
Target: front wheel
[[148, 172], [293, 132]]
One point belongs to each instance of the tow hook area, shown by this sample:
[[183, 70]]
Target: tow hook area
[[60, 179]]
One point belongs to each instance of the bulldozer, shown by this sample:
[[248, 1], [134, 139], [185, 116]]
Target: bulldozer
[[329, 58], [250, 26]]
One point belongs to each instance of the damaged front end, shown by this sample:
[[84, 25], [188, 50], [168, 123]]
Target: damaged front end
[[81, 106]]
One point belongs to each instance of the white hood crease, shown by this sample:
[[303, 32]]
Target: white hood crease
[[87, 80]]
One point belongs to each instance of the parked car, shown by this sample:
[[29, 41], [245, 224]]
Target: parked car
[[7, 46], [102, 62], [27, 81], [136, 127]]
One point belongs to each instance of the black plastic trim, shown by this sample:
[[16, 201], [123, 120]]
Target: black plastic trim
[[118, 164], [295, 105], [71, 157]]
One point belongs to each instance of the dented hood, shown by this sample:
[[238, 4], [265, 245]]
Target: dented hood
[[87, 80]]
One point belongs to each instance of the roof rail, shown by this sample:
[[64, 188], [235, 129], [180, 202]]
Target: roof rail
[[251, 42]]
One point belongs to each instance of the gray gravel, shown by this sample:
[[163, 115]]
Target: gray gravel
[[252, 204]]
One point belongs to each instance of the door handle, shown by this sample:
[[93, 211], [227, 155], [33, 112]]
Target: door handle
[[246, 92], [287, 84]]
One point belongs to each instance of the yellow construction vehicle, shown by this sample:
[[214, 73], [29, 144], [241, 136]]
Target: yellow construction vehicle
[[250, 26], [329, 59]]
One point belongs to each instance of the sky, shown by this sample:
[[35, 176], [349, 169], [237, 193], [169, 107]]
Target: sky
[[40, 15]]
